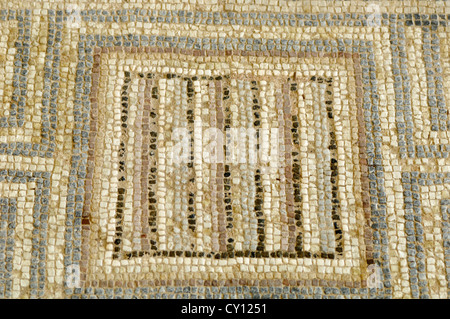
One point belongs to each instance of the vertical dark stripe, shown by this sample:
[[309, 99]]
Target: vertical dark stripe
[[149, 156], [118, 241], [145, 132], [258, 180], [333, 166], [192, 220], [8, 209], [227, 218], [259, 213], [292, 228], [153, 161], [228, 209], [296, 172], [445, 203], [220, 236], [191, 213]]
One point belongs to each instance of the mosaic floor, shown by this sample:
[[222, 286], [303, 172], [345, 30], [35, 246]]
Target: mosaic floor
[[224, 149]]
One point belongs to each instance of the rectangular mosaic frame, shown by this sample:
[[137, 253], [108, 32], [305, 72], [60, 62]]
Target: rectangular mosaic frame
[[260, 252], [373, 157], [92, 216]]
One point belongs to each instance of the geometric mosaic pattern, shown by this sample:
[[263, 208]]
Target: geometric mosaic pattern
[[225, 149], [232, 241]]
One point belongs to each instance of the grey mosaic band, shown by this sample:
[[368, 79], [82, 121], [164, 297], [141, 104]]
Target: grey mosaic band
[[239, 292], [7, 226], [244, 18], [39, 232], [446, 235]]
